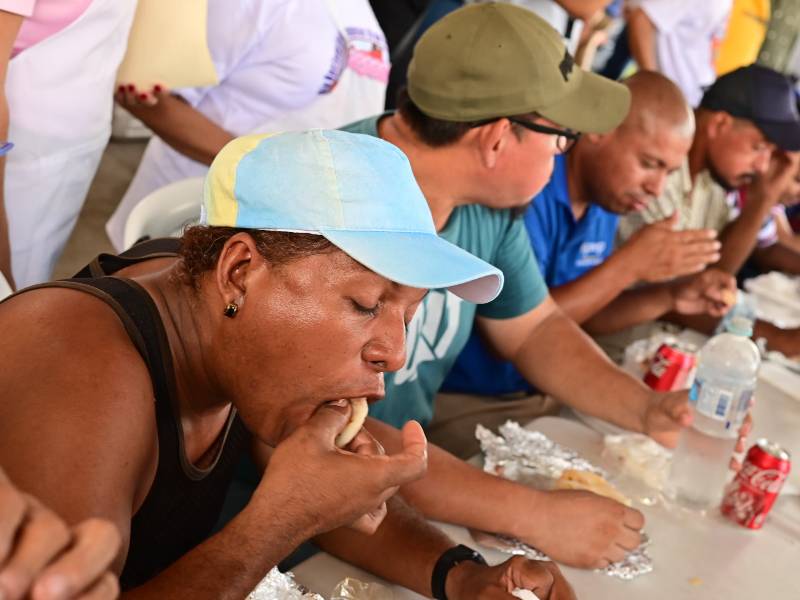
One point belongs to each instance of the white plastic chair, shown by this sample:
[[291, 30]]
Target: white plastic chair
[[165, 212]]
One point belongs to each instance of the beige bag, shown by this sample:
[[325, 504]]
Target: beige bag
[[168, 45]]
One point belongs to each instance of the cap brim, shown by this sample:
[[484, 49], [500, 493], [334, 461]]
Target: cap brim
[[421, 260], [596, 105], [785, 135]]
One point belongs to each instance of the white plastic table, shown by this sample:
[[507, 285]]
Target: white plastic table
[[694, 557]]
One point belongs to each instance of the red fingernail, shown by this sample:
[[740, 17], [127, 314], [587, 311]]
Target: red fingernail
[[131, 87], [142, 96], [157, 88], [121, 88]]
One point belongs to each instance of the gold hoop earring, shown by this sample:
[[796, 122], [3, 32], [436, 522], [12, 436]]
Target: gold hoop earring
[[231, 310]]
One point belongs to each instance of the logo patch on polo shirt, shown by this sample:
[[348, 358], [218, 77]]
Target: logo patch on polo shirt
[[591, 254]]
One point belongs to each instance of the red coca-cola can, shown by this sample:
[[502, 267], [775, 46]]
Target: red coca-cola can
[[750, 496], [669, 368]]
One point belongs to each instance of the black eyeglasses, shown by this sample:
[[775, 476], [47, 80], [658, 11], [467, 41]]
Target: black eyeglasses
[[565, 138]]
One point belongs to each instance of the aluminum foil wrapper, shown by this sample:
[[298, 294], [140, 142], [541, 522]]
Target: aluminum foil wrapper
[[353, 589], [280, 586], [531, 458], [528, 456]]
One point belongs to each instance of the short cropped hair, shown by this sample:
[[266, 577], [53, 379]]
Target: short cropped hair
[[201, 246], [438, 133], [433, 132]]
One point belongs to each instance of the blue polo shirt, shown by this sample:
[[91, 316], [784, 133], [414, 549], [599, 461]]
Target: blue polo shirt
[[565, 249]]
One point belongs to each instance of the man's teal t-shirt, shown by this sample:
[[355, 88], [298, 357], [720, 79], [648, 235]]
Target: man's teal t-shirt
[[443, 322]]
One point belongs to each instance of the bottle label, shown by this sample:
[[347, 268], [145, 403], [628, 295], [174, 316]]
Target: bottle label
[[717, 402]]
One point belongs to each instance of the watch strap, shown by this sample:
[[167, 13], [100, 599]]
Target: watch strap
[[449, 559]]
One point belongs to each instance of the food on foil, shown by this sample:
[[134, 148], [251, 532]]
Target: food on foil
[[531, 458], [640, 457], [280, 586], [572, 479], [354, 425], [354, 589], [506, 544]]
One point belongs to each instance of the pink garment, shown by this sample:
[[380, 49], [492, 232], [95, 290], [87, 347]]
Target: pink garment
[[43, 18]]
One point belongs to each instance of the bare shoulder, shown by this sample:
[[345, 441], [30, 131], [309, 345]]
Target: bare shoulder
[[77, 422]]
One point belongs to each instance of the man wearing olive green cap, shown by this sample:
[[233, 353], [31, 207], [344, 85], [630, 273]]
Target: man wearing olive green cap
[[492, 97], [494, 60]]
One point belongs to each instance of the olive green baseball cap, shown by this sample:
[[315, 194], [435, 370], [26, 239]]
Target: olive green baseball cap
[[491, 60]]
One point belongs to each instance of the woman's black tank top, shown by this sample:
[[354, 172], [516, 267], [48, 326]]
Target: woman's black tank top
[[184, 502]]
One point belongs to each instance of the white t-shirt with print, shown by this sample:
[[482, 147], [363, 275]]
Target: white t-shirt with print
[[282, 65]]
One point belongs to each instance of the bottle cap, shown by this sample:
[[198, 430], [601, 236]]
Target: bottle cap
[[740, 325]]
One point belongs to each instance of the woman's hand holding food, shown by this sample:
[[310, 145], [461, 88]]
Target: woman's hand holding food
[[318, 486]]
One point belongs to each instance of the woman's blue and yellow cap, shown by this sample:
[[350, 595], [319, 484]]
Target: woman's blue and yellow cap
[[357, 191]]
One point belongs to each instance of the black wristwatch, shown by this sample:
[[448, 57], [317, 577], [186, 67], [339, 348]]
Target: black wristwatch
[[446, 562]]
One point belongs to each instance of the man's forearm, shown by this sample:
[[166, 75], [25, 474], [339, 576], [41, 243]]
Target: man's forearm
[[642, 40], [591, 383], [778, 257], [739, 237], [434, 496], [230, 563], [403, 550], [630, 308], [584, 297], [703, 323], [184, 128], [786, 235]]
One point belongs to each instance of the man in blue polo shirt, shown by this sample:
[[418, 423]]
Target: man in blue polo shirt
[[572, 224]]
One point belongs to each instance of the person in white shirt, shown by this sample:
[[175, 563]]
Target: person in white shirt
[[677, 38], [58, 60], [282, 66]]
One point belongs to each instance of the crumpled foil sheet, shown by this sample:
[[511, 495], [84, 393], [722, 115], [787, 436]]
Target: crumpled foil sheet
[[521, 455], [280, 586], [530, 457], [353, 589]]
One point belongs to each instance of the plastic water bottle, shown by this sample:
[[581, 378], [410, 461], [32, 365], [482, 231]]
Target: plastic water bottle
[[727, 368], [746, 306]]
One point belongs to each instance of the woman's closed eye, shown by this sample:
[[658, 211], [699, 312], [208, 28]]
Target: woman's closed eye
[[365, 310]]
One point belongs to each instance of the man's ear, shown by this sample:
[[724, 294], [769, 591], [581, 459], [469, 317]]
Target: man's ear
[[719, 123], [491, 140], [236, 265], [595, 138]]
